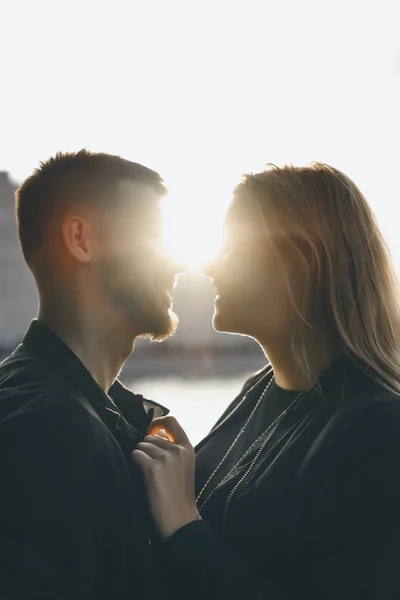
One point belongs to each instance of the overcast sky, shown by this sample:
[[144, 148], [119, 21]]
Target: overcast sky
[[203, 91]]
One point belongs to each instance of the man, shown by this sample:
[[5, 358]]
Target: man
[[73, 516]]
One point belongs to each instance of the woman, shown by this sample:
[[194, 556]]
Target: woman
[[297, 487]]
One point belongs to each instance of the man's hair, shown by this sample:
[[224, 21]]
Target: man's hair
[[69, 179]]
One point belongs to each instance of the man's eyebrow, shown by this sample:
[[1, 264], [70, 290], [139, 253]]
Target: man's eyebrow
[[155, 229]]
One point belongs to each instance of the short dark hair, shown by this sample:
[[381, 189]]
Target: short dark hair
[[69, 178]]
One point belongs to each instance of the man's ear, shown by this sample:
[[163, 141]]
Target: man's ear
[[77, 235]]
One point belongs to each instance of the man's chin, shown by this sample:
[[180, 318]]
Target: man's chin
[[161, 327]]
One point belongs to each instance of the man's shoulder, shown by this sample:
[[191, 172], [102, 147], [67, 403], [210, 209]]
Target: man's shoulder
[[31, 393], [24, 380], [22, 366]]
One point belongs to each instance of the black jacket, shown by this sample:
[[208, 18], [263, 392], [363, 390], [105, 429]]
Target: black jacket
[[73, 515], [319, 517]]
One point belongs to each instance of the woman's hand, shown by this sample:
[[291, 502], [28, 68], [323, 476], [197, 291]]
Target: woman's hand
[[168, 463]]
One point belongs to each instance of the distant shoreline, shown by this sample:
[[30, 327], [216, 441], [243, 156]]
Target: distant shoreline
[[188, 365], [221, 365]]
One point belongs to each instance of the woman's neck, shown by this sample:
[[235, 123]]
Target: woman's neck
[[288, 374]]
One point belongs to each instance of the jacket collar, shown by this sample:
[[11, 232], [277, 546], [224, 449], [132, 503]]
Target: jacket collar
[[344, 382], [136, 410]]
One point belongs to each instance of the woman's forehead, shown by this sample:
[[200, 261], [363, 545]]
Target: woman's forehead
[[249, 218], [242, 221]]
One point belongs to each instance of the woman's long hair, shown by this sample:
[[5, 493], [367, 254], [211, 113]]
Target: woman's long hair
[[349, 292]]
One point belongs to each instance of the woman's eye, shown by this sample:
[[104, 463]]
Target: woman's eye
[[228, 254]]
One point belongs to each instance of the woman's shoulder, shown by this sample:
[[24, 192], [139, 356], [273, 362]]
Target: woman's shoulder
[[368, 413], [376, 412]]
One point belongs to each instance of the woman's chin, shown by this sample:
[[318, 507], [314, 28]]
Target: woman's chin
[[227, 320], [222, 322]]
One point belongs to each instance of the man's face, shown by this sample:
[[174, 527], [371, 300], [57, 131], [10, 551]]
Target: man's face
[[135, 272]]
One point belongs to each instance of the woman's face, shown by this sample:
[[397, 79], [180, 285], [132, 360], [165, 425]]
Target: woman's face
[[249, 279]]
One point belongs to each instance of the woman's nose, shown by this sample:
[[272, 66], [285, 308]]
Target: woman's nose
[[208, 268]]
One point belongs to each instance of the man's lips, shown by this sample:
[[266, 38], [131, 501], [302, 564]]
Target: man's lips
[[170, 285]]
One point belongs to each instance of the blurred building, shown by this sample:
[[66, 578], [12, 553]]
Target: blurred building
[[193, 299], [18, 298]]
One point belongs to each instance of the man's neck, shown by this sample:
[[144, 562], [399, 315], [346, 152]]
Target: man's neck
[[102, 345]]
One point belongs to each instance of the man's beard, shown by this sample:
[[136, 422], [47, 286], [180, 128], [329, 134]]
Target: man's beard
[[164, 332], [142, 303]]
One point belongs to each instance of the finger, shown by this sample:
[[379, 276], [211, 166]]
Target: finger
[[157, 428], [150, 449], [141, 459], [161, 442], [162, 433], [172, 428]]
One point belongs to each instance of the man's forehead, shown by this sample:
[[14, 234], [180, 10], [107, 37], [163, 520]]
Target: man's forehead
[[138, 191], [139, 201]]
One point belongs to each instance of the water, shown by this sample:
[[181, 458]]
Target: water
[[196, 403]]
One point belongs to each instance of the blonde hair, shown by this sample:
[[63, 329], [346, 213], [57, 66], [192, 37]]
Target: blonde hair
[[350, 294]]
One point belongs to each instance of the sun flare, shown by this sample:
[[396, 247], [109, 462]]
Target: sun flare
[[192, 236]]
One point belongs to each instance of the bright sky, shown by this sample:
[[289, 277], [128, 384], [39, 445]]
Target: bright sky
[[205, 90]]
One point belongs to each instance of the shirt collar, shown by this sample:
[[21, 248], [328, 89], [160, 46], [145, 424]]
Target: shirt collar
[[136, 410]]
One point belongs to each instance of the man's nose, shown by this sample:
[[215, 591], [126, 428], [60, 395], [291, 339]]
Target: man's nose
[[179, 266]]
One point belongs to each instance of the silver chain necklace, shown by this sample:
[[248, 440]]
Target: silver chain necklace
[[269, 433], [238, 435]]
